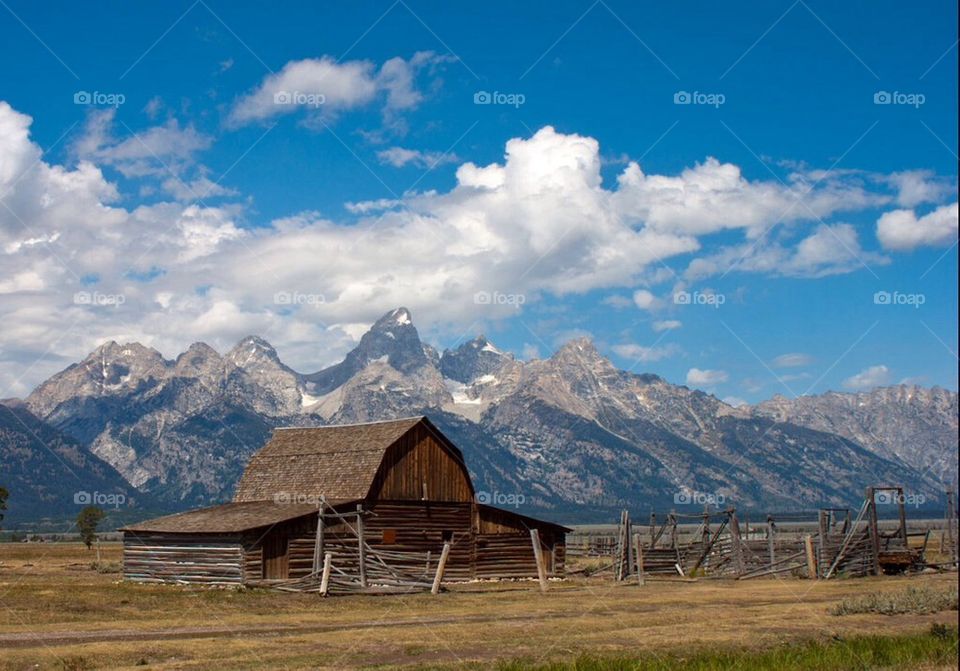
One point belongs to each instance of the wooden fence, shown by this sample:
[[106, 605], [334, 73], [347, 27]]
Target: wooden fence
[[843, 543]]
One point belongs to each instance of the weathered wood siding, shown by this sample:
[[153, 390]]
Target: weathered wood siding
[[297, 533], [496, 521], [190, 558], [423, 527], [510, 555], [405, 531], [418, 467], [505, 549], [397, 528], [505, 556]]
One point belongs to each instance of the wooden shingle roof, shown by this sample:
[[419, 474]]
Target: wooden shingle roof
[[226, 518], [338, 462]]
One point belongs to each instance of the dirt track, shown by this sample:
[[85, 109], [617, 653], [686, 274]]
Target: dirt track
[[36, 639]]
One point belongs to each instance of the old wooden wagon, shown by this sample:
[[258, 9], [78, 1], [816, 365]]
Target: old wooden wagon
[[382, 499]]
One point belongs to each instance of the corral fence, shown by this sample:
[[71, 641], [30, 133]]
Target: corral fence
[[818, 545]]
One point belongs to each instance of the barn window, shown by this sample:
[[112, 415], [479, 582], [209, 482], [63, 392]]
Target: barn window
[[389, 536], [447, 535]]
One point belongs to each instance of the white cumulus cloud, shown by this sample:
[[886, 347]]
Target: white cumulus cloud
[[868, 378], [915, 187], [666, 325], [538, 222], [706, 378], [904, 230], [399, 157], [325, 85], [645, 300]]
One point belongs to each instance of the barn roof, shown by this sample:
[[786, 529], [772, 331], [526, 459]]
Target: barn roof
[[226, 518], [341, 460]]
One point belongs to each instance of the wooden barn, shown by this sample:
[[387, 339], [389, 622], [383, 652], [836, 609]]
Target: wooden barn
[[383, 500]]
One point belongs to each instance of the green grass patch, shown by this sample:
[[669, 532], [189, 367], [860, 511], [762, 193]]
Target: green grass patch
[[912, 600], [938, 645]]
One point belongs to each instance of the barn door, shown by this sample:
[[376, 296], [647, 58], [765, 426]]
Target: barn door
[[276, 560]]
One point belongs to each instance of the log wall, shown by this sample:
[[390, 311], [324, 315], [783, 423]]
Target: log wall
[[182, 558]]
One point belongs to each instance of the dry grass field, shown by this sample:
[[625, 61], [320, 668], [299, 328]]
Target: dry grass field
[[60, 613]]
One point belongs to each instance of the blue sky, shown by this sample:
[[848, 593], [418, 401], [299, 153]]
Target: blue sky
[[201, 197]]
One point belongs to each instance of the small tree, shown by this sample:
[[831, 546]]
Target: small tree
[[87, 522], [4, 495]]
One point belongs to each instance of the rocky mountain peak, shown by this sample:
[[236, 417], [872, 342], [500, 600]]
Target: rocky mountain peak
[[253, 350], [472, 360], [254, 341], [111, 369], [114, 351], [111, 362], [201, 349], [580, 352], [393, 339], [392, 336], [198, 358], [106, 348], [395, 319]]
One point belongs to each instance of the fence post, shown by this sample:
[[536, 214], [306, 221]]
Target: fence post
[[823, 532], [627, 537], [441, 566], [618, 550], [771, 548], [874, 529], [952, 526], [325, 579], [639, 546], [902, 516], [735, 543], [811, 560], [538, 556], [318, 541], [361, 542]]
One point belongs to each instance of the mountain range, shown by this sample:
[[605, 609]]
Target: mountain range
[[570, 436]]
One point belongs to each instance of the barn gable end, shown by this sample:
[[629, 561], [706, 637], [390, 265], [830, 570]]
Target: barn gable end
[[422, 465]]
